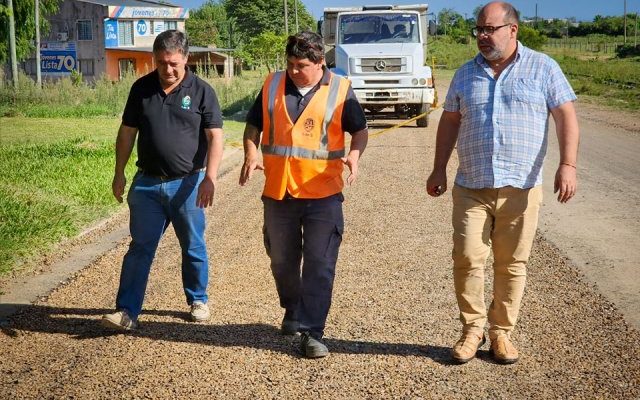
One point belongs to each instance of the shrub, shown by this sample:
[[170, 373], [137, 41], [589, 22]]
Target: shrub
[[531, 38], [449, 53], [72, 97], [627, 50]]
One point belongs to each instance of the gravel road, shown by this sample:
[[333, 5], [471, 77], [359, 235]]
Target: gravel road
[[599, 230], [390, 329]]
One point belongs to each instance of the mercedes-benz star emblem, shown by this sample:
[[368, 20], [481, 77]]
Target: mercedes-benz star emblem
[[380, 65]]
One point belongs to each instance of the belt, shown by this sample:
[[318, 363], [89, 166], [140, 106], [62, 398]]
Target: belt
[[170, 178]]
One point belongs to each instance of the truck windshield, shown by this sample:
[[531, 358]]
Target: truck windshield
[[378, 28]]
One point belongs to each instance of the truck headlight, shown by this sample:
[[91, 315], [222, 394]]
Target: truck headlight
[[414, 81], [423, 81]]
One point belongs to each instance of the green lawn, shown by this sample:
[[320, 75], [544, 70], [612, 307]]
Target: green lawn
[[56, 180], [23, 131]]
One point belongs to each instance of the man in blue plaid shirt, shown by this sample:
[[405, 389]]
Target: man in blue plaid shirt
[[497, 111]]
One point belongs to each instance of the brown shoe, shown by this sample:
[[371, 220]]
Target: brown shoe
[[503, 351], [465, 349]]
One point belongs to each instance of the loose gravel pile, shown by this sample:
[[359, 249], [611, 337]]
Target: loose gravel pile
[[390, 329]]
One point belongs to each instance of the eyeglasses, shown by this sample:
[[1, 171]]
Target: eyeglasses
[[486, 30]]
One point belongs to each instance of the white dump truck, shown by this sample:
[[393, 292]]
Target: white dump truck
[[381, 50]]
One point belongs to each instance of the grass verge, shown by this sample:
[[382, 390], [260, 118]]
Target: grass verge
[[67, 98], [611, 82], [56, 180]]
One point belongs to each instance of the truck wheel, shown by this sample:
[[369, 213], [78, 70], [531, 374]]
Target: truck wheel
[[423, 122]]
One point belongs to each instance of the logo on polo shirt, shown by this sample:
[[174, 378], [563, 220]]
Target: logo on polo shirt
[[186, 102]]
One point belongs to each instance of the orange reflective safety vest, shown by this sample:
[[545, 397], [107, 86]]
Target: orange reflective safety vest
[[303, 158]]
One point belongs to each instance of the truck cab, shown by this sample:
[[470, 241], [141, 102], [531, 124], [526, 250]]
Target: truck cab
[[381, 50]]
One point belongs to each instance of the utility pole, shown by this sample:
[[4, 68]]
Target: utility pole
[[625, 21], [38, 69], [12, 44], [536, 19], [286, 19], [635, 33], [295, 6], [435, 18]]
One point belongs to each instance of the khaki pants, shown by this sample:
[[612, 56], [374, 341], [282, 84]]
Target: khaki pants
[[504, 220]]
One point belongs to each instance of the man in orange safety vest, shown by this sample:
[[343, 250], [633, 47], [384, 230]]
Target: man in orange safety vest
[[302, 114]]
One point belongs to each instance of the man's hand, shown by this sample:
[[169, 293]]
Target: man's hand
[[250, 164], [124, 145], [359, 142], [566, 183], [437, 183], [446, 139], [117, 186], [351, 161], [250, 140], [206, 191]]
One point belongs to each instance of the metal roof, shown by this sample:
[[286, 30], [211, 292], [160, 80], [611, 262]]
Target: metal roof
[[192, 49]]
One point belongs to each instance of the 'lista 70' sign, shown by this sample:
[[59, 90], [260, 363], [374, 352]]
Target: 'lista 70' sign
[[58, 63], [58, 58]]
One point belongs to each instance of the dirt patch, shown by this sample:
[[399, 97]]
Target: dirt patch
[[614, 118]]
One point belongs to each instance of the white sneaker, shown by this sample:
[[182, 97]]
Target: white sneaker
[[119, 320], [200, 312]]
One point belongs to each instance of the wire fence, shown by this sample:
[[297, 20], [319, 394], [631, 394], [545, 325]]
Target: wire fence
[[584, 46]]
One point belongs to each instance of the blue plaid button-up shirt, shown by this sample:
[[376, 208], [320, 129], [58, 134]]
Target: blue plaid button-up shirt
[[502, 139]]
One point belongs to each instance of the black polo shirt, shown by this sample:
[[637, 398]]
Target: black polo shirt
[[171, 138], [353, 118]]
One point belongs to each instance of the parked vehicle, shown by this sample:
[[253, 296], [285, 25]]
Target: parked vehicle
[[381, 49]]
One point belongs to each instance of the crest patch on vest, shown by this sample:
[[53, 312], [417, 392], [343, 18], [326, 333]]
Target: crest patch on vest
[[309, 123]]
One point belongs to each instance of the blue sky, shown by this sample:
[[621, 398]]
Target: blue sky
[[583, 10]]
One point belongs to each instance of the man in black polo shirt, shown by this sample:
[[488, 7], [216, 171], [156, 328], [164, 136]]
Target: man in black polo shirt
[[179, 149], [303, 113]]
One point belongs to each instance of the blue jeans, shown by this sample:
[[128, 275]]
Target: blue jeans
[[154, 204], [307, 231]]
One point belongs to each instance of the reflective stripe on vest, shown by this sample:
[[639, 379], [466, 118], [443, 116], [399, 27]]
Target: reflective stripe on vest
[[273, 90], [299, 152], [285, 151]]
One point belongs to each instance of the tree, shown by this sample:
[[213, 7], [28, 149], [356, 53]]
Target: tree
[[447, 18], [253, 17], [476, 12], [531, 37], [24, 14], [268, 49], [454, 25], [208, 25]]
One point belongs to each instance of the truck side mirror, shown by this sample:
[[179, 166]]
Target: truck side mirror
[[320, 27], [432, 27]]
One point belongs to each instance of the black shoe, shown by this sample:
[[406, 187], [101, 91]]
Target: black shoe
[[289, 324], [311, 347]]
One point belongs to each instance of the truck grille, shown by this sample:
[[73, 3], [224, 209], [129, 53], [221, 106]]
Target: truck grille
[[381, 65], [382, 82]]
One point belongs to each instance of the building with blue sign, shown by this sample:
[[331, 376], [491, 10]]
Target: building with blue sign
[[112, 37]]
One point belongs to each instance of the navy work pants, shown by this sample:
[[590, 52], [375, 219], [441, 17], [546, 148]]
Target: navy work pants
[[302, 238]]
